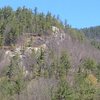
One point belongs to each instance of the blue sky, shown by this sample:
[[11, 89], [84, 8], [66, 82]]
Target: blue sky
[[79, 13]]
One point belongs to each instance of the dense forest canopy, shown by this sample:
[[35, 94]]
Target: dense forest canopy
[[23, 20], [16, 23], [92, 32]]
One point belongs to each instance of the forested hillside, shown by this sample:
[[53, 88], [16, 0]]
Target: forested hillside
[[42, 58], [92, 32], [23, 20]]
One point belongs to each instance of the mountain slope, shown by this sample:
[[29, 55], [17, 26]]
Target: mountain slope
[[43, 59]]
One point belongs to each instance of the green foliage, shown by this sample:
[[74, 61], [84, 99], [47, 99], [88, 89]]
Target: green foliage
[[64, 65], [12, 82], [96, 44], [64, 61], [90, 64], [97, 72], [76, 34], [92, 32], [83, 89], [23, 20], [7, 88], [63, 92], [60, 66]]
